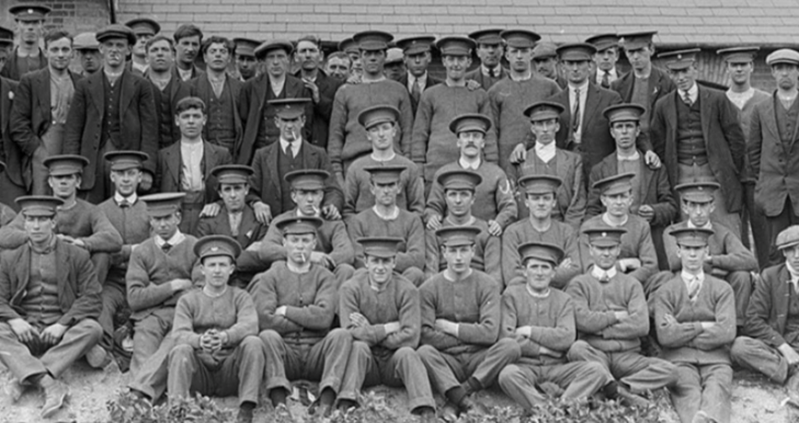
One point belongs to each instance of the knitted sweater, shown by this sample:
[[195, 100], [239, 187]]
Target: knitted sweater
[[132, 223], [232, 312], [358, 196], [559, 234], [407, 226]]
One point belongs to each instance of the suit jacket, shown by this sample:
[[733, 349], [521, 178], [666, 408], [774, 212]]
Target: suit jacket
[[321, 111], [774, 164], [170, 163], [251, 109], [201, 87], [266, 181], [485, 82], [768, 306], [10, 69], [250, 230], [431, 81], [10, 152], [178, 90], [596, 139], [724, 140], [78, 288], [654, 190], [660, 84], [138, 123]]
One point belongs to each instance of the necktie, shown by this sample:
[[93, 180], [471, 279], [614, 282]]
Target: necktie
[[166, 247], [416, 93], [576, 113], [605, 278], [124, 203], [693, 287], [606, 79], [686, 98]]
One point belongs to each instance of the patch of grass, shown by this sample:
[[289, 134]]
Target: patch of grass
[[128, 408]]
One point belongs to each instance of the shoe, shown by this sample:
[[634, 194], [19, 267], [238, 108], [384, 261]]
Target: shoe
[[98, 357], [469, 405], [449, 413], [14, 390], [245, 415], [54, 397], [318, 409], [427, 416]]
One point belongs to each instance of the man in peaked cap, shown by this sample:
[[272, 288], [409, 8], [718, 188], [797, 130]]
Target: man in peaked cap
[[433, 144], [27, 56], [244, 55], [295, 320], [381, 124], [547, 63], [88, 49], [50, 303], [394, 66], [168, 87], [637, 257], [12, 184], [695, 131], [695, 322], [489, 48], [97, 124], [770, 346], [144, 29], [771, 136], [539, 192], [546, 157], [512, 94], [387, 219], [605, 58], [417, 55], [381, 310]]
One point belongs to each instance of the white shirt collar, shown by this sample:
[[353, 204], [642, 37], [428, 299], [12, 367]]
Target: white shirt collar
[[469, 165], [131, 199], [599, 273], [175, 240], [691, 282], [607, 220], [708, 225], [794, 276], [631, 158], [545, 152], [612, 75], [392, 216], [490, 73], [422, 81], [693, 93], [582, 87], [295, 146]]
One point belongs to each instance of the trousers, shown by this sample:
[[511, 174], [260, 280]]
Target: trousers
[[629, 367], [447, 371]]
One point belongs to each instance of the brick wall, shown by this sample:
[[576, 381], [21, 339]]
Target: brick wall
[[73, 15]]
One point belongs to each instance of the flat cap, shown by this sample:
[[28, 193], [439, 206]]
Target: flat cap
[[380, 246], [623, 112], [267, 46], [38, 205], [307, 179], [520, 38], [698, 191], [164, 203], [490, 36], [615, 184], [217, 245], [544, 110], [602, 235], [691, 237], [372, 40], [453, 236], [455, 46], [376, 115], [299, 225], [232, 174], [738, 54], [788, 237], [86, 41], [540, 184], [679, 59], [124, 160], [470, 122], [393, 56], [289, 108], [416, 45], [143, 26], [116, 31], [603, 42], [27, 12], [459, 179], [636, 40], [245, 46], [6, 37], [545, 50], [784, 55], [65, 164], [385, 174], [541, 251], [576, 52]]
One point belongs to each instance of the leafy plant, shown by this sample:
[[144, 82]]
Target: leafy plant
[[129, 408]]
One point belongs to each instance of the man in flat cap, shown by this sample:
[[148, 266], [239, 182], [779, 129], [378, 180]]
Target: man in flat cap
[[460, 325], [244, 57], [605, 58], [644, 84], [12, 185], [512, 94], [770, 346], [144, 29], [338, 65], [417, 56], [433, 144], [611, 315], [348, 139], [88, 51], [695, 322], [546, 157], [220, 93], [296, 301], [490, 49], [652, 197], [637, 257], [111, 110], [540, 196], [460, 187], [695, 131], [41, 105], [188, 40], [258, 113], [394, 66], [547, 64], [168, 88], [540, 322], [50, 303], [186, 166], [308, 53], [493, 197], [773, 128], [27, 56], [381, 124], [381, 310]]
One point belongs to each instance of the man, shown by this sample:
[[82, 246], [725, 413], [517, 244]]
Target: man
[[296, 303], [221, 95], [12, 185], [459, 188], [740, 63], [611, 315], [394, 66], [652, 199], [645, 84], [417, 56], [545, 157], [216, 349], [380, 309], [308, 53], [338, 65], [41, 106], [540, 198], [129, 217], [144, 29], [7, 214], [291, 152], [637, 257], [256, 108], [160, 271], [348, 140], [547, 63], [382, 124], [460, 325], [433, 144], [512, 94], [771, 347], [772, 132], [605, 59], [695, 321], [88, 49], [349, 47], [386, 219], [168, 88], [696, 132], [28, 55], [50, 300], [540, 321], [188, 39], [490, 50], [246, 64], [186, 166], [332, 250], [111, 110]]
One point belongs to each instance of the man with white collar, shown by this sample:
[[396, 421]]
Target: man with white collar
[[605, 58], [28, 55], [417, 56], [490, 48], [144, 28]]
